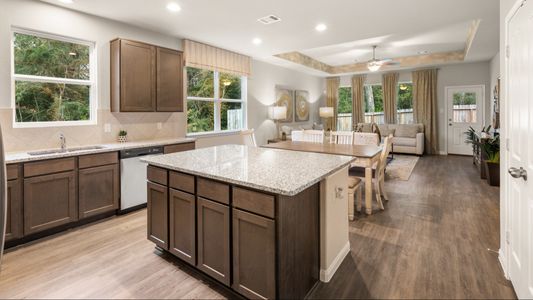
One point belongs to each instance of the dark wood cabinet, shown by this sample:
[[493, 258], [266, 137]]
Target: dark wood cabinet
[[214, 239], [169, 80], [179, 147], [49, 201], [182, 225], [158, 214], [14, 224], [98, 190], [133, 76], [254, 255], [145, 78]]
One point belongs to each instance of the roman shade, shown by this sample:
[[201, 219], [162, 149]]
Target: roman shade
[[203, 56]]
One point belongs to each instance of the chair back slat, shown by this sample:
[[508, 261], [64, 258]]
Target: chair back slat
[[387, 145], [313, 136], [297, 135], [341, 137], [248, 138]]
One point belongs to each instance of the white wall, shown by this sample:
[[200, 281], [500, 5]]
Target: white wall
[[494, 75], [262, 93], [450, 75]]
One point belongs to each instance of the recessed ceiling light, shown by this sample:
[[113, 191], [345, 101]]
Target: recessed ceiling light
[[173, 7], [257, 41], [66, 1], [321, 27], [423, 52]]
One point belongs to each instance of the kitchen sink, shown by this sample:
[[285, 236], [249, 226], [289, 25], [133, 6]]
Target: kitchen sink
[[68, 150]]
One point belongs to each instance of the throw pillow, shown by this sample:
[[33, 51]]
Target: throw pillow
[[306, 127], [406, 131]]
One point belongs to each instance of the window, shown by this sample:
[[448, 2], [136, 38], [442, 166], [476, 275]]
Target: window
[[53, 80], [464, 107], [374, 104], [344, 109], [215, 101], [405, 103]]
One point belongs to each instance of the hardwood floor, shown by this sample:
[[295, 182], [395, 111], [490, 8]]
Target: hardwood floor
[[430, 242]]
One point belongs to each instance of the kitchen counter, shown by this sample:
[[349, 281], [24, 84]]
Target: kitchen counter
[[275, 171], [18, 157]]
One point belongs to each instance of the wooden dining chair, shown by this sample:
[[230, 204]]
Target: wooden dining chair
[[341, 137], [313, 136], [297, 135], [355, 188], [378, 173], [248, 137]]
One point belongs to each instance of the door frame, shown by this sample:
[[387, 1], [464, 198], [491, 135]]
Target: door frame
[[446, 91], [504, 140]]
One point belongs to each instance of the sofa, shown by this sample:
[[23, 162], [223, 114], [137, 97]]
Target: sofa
[[407, 138]]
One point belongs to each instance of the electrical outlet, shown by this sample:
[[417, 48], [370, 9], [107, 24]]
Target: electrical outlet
[[107, 128], [159, 125]]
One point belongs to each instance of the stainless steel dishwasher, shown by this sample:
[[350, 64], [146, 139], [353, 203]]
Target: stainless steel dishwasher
[[133, 191]]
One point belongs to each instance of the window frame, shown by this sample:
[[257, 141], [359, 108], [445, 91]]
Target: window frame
[[92, 82], [217, 102]]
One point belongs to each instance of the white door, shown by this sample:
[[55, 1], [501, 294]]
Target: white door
[[464, 110], [520, 151]]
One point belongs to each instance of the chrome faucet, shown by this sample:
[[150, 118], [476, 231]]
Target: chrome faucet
[[63, 140]]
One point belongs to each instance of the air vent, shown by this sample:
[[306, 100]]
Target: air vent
[[271, 19]]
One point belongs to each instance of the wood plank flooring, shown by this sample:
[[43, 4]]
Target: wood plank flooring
[[430, 242]]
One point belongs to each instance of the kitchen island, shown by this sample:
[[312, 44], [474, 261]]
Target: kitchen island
[[266, 223]]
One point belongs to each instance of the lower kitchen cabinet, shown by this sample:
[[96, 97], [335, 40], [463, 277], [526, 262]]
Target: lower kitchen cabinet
[[99, 189], [214, 239], [14, 224], [49, 201], [158, 214], [254, 255], [182, 225]]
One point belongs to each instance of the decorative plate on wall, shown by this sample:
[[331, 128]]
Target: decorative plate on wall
[[285, 97], [301, 112]]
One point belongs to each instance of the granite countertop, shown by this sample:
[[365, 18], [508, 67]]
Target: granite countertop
[[18, 157], [275, 171]]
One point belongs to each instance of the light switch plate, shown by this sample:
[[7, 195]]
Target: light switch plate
[[107, 128]]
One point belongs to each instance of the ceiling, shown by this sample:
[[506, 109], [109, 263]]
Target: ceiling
[[399, 27]]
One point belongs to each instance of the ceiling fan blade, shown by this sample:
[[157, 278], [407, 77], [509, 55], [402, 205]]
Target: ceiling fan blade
[[384, 60], [391, 63]]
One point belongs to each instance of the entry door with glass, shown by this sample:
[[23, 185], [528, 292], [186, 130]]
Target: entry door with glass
[[465, 110]]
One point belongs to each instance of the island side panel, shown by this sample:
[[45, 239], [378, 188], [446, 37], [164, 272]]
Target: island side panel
[[298, 243], [334, 225]]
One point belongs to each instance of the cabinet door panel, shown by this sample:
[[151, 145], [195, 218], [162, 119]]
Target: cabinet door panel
[[14, 225], [213, 239], [49, 201], [169, 80], [137, 77], [183, 226], [98, 190], [254, 258], [158, 214]]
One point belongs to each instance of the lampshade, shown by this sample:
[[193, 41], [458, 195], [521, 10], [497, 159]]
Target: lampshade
[[373, 66], [326, 112], [278, 112]]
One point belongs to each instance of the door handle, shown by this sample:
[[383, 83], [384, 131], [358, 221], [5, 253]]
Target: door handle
[[518, 173]]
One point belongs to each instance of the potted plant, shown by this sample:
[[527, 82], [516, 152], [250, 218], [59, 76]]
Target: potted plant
[[122, 136], [491, 148]]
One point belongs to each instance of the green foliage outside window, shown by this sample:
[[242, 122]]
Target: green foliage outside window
[[345, 100], [373, 98], [464, 99], [47, 101], [405, 96]]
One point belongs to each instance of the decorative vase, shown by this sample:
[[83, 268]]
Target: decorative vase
[[493, 173], [122, 138]]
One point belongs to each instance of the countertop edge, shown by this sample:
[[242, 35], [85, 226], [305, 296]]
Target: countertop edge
[[288, 193], [25, 157]]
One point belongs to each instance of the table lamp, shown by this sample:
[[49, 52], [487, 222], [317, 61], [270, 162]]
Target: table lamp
[[326, 113], [278, 113]]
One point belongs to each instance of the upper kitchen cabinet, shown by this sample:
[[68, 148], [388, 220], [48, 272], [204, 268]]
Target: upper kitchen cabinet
[[145, 78]]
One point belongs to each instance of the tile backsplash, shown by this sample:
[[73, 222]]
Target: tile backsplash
[[140, 126]]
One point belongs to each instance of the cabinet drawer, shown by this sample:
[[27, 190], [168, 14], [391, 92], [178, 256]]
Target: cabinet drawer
[[157, 175], [96, 160], [179, 147], [259, 203], [49, 166], [12, 172], [213, 190], [181, 181]]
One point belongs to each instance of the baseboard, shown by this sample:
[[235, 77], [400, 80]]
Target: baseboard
[[501, 258], [327, 274], [443, 153]]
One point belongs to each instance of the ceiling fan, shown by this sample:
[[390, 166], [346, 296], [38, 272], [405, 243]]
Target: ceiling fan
[[375, 64]]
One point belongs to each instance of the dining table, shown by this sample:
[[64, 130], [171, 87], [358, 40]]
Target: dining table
[[367, 156]]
